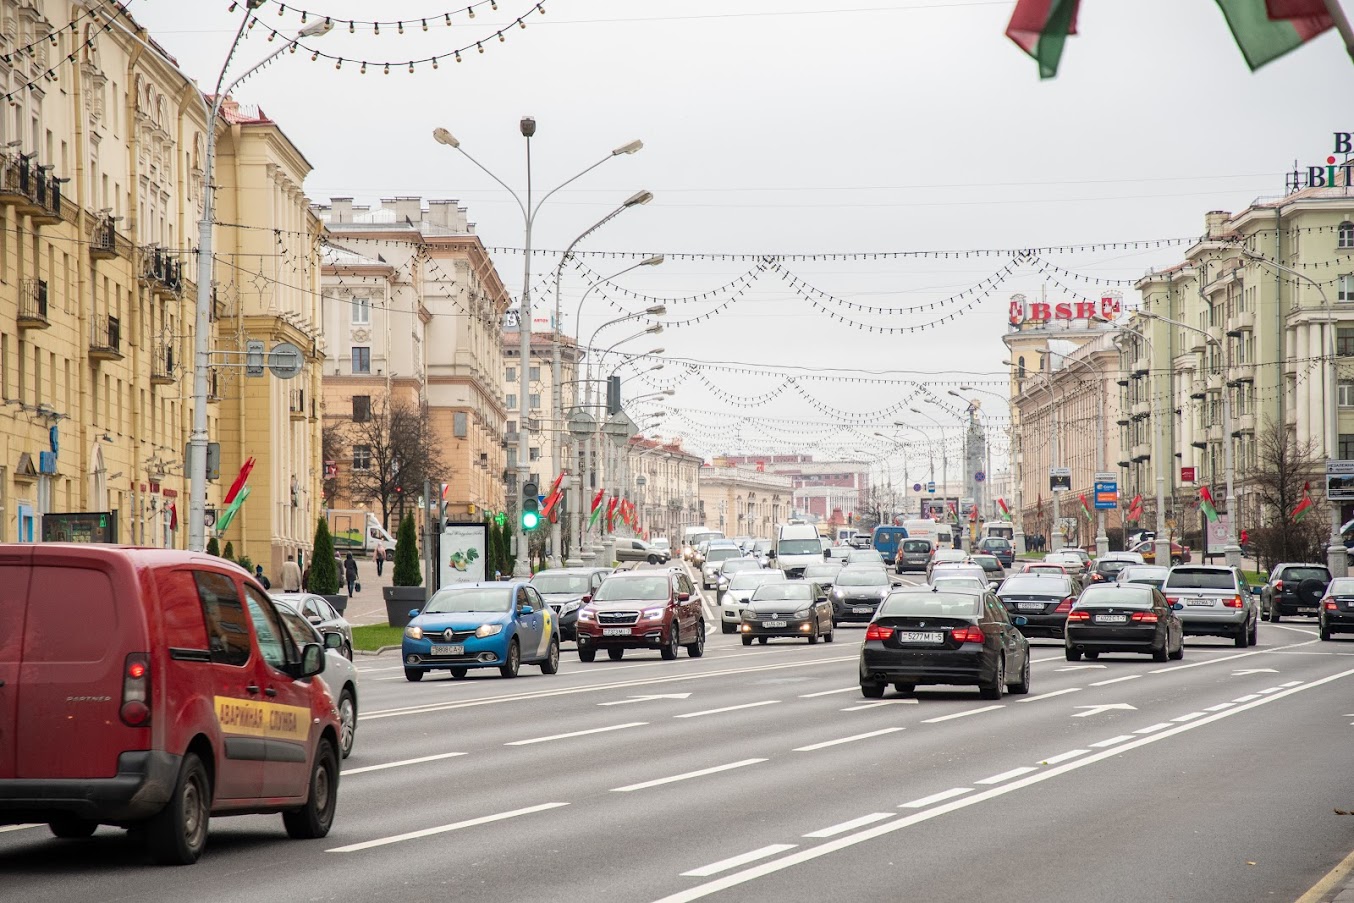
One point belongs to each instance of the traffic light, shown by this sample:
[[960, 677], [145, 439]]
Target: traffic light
[[531, 506], [613, 395]]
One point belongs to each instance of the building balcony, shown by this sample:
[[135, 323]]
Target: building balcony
[[33, 304], [1142, 409], [1214, 334], [1213, 382], [1214, 433], [1241, 373], [1246, 423], [297, 405], [1243, 320], [105, 340], [103, 240], [1141, 451], [162, 273], [46, 207], [162, 372]]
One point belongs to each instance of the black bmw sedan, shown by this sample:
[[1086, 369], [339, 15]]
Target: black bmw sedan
[[1124, 618]]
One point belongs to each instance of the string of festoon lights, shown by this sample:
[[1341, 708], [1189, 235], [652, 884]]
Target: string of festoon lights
[[395, 26], [96, 27]]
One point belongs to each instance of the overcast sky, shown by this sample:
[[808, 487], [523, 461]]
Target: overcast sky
[[778, 127]]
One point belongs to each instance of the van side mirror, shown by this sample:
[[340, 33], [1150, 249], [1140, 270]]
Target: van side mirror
[[312, 659], [587, 598], [770, 554], [333, 641]]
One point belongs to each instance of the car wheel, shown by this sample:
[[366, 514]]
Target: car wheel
[[1022, 686], [1254, 637], [71, 828], [763, 639], [1092, 656], [813, 637], [697, 649], [1162, 654], [905, 689], [314, 818], [747, 641], [177, 834], [1073, 655], [459, 672], [347, 651], [551, 663], [831, 634], [1175, 559], [653, 559], [871, 691], [669, 650], [997, 687], [587, 655], [513, 665], [1241, 637], [413, 675], [1179, 652], [1324, 632], [347, 712], [1274, 613], [615, 654], [728, 628]]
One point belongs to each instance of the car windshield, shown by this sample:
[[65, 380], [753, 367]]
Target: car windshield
[[761, 545], [777, 592], [862, 577], [1199, 578], [822, 571], [916, 545], [932, 604], [986, 562], [993, 545], [1110, 567], [1341, 586], [950, 555], [1300, 574], [547, 582], [860, 555], [736, 565], [1116, 597], [722, 552], [960, 584], [488, 598], [1029, 584], [754, 579], [1140, 574], [626, 589], [799, 547], [703, 537]]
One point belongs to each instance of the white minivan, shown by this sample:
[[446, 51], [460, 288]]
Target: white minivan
[[931, 529], [797, 547]]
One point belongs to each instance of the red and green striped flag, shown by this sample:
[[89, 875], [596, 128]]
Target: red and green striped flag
[[1040, 28], [596, 508], [1206, 505], [1135, 508], [1085, 505], [1005, 511], [1302, 507], [235, 498], [1267, 29]]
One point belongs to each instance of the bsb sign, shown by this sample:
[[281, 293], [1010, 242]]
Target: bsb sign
[[1107, 308]]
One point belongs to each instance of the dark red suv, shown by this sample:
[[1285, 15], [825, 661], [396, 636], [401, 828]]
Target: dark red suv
[[650, 609]]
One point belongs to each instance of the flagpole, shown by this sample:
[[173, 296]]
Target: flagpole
[[1342, 25]]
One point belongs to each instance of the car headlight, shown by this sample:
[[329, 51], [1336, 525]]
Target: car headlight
[[884, 593], [748, 614], [413, 632], [586, 614], [838, 594], [570, 606], [654, 614], [485, 630], [803, 614]]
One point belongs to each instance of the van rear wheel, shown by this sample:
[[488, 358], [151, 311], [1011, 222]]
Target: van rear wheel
[[72, 828], [177, 834], [315, 818]]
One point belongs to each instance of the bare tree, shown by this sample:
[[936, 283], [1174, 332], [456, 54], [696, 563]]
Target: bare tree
[[333, 445], [1286, 468], [398, 447]]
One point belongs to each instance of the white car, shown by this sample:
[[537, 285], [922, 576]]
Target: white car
[[339, 675], [965, 583], [741, 587]]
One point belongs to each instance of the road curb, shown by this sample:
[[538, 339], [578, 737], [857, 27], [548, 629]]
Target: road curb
[[376, 652], [1332, 886]]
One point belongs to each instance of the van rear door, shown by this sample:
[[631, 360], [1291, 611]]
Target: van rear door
[[14, 574], [84, 617]]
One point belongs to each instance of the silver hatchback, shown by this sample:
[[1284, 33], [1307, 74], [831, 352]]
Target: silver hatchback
[[1216, 600]]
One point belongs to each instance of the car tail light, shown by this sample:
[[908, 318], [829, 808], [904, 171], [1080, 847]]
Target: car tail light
[[1234, 602], [1172, 599], [1081, 615], [1145, 617], [1278, 585], [969, 634], [1330, 605], [875, 632], [1065, 606], [135, 711]]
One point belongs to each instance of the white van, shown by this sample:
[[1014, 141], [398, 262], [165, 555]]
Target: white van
[[999, 529], [930, 529], [797, 547]]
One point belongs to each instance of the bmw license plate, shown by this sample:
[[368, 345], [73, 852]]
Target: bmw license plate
[[1111, 619], [773, 623], [862, 610], [448, 650], [615, 631], [1030, 606], [1200, 603], [915, 636]]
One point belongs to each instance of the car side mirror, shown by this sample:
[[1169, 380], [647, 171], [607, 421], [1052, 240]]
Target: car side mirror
[[524, 609], [587, 598], [1255, 590], [312, 659], [683, 597], [315, 619], [1019, 621], [771, 554], [1177, 606], [413, 612], [333, 641]]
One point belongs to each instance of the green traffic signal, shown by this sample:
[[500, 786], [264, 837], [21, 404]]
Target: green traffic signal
[[531, 507], [530, 519]]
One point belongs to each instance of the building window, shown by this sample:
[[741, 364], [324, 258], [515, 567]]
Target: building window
[[1345, 393], [511, 374], [512, 427], [460, 424], [512, 402], [535, 454], [534, 374], [361, 457], [1344, 341], [361, 359], [1345, 237], [361, 311], [1346, 446], [535, 400], [1344, 288], [361, 408], [1020, 367]]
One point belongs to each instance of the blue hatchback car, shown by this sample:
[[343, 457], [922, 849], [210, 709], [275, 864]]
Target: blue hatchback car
[[499, 625]]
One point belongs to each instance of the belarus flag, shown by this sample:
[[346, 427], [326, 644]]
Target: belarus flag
[[1267, 29], [1041, 27]]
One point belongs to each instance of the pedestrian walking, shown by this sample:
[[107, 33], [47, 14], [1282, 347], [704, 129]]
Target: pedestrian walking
[[261, 578], [380, 556], [305, 579], [291, 575], [350, 572]]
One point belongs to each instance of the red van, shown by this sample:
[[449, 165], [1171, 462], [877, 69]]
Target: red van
[[152, 689]]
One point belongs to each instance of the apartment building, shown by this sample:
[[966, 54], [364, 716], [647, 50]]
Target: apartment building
[[744, 501], [665, 486]]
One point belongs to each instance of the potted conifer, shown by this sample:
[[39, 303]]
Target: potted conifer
[[406, 593], [324, 574]]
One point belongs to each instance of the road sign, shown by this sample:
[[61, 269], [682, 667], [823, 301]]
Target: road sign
[[931, 488], [1340, 481], [285, 360], [1060, 479], [254, 358], [979, 477], [1106, 491], [916, 487], [581, 423]]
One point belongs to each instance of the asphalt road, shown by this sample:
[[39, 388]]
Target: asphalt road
[[761, 774]]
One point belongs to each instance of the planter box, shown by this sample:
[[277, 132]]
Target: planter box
[[400, 600], [340, 602]]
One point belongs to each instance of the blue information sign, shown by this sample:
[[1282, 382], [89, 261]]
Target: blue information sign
[[931, 487]]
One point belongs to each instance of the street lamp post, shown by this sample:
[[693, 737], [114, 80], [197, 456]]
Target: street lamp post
[[527, 126], [1017, 525], [1058, 536], [944, 466], [1102, 542], [202, 330], [1162, 544]]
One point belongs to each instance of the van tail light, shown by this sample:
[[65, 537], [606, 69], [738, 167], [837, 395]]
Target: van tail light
[[1330, 605], [969, 634], [1234, 602], [135, 710], [1082, 615], [875, 632], [1065, 606], [1145, 617]]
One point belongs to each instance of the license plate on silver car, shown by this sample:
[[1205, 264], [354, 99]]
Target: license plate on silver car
[[916, 636], [1201, 603], [615, 631], [448, 650], [773, 623]]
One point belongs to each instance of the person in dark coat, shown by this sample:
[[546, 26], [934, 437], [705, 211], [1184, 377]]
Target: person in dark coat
[[305, 579], [350, 572]]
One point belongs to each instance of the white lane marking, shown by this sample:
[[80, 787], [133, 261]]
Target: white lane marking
[[936, 798], [829, 692], [633, 699], [875, 705], [1079, 667], [1247, 698], [383, 766], [1294, 629], [851, 825], [734, 861], [1051, 695], [986, 708], [1153, 728], [1111, 741], [1292, 683], [1115, 680], [1063, 757], [1101, 709], [442, 829], [729, 708], [1242, 672], [595, 730], [851, 739], [1189, 716], [1006, 775], [1268, 690], [1220, 707], [1231, 658], [18, 827], [686, 776], [907, 821], [1051, 658]]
